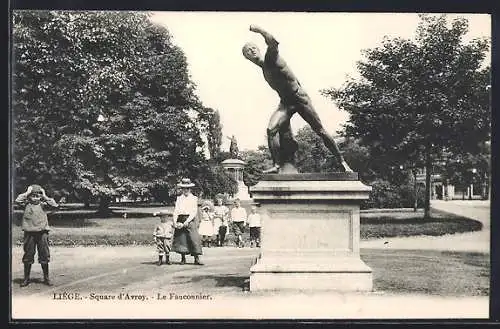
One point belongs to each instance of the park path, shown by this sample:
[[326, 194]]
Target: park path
[[113, 270], [470, 242], [473, 209]]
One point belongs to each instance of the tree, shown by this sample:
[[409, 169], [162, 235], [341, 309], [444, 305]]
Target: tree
[[212, 177], [213, 180], [462, 170], [358, 157], [313, 156], [212, 128], [103, 105], [417, 99], [256, 162]]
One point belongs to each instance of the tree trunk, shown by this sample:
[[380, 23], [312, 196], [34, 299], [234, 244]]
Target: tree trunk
[[415, 190], [103, 209], [428, 172]]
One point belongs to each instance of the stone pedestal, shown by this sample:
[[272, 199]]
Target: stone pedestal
[[310, 233]]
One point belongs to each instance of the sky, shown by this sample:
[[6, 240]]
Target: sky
[[320, 48]]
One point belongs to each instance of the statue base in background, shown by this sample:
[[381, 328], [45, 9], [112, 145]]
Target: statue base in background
[[310, 233], [242, 193]]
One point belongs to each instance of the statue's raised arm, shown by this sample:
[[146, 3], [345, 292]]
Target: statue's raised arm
[[271, 42]]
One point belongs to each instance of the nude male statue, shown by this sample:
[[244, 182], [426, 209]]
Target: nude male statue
[[293, 99]]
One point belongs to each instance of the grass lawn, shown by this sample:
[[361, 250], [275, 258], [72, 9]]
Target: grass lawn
[[379, 224], [441, 273], [82, 227]]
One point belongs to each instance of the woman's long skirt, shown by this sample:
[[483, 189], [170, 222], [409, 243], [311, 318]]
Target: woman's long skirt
[[187, 239]]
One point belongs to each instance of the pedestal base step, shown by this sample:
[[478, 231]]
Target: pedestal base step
[[346, 274]]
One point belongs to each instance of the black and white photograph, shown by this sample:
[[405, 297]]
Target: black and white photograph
[[249, 165]]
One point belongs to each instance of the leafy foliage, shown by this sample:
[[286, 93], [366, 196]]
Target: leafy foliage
[[212, 128], [313, 156], [385, 194], [104, 106], [256, 162], [461, 170], [212, 180], [418, 99]]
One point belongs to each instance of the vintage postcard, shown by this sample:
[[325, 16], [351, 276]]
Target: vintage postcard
[[250, 165]]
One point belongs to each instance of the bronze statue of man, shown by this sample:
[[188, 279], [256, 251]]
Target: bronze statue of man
[[293, 99]]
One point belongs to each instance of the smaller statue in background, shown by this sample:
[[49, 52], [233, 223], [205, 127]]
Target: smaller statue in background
[[233, 147]]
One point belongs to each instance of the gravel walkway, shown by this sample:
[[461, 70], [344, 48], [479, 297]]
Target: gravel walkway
[[232, 303], [470, 241]]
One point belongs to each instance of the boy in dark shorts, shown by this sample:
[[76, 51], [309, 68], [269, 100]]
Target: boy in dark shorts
[[163, 234], [239, 219], [36, 231], [254, 223]]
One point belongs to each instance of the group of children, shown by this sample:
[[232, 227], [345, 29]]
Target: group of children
[[213, 227], [214, 224]]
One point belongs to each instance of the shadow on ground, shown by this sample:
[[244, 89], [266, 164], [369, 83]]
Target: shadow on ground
[[80, 218], [420, 220], [155, 263], [241, 282], [32, 280]]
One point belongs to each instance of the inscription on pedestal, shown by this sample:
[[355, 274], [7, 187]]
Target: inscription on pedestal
[[305, 230]]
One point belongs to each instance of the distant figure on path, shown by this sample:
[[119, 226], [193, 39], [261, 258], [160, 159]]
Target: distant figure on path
[[293, 99]]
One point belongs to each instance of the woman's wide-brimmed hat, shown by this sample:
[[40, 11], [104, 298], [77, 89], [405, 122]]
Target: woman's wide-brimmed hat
[[185, 182]]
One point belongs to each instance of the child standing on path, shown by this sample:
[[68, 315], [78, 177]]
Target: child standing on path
[[206, 228], [254, 223], [221, 214], [35, 225], [163, 234], [239, 219]]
